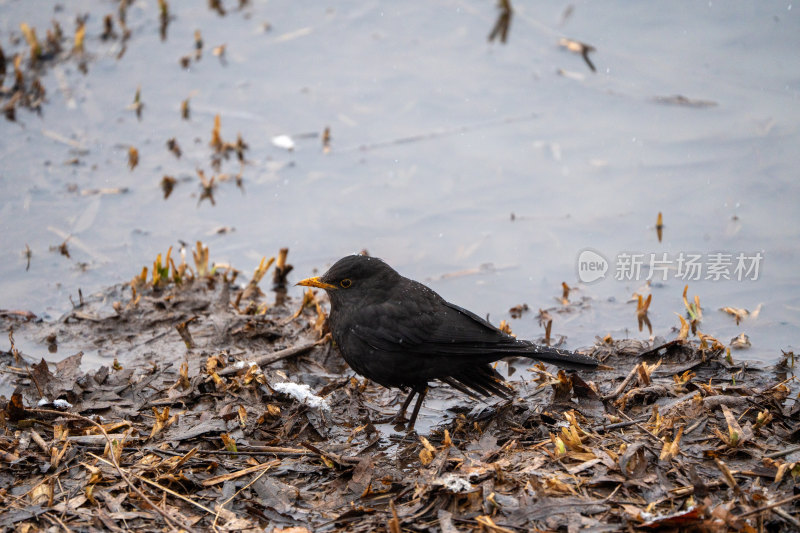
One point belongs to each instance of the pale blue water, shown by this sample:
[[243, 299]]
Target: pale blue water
[[582, 159]]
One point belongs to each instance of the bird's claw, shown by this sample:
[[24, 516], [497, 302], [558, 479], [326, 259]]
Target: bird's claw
[[393, 419]]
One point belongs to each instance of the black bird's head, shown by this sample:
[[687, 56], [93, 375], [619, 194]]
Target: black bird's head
[[355, 277]]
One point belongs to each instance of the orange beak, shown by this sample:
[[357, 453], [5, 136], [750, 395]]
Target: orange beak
[[316, 282]]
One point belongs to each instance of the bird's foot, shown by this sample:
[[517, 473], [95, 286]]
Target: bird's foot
[[399, 423], [410, 436], [397, 419]]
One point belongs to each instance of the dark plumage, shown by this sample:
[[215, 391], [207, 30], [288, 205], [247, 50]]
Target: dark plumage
[[399, 333]]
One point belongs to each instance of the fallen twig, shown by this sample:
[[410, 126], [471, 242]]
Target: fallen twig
[[770, 506], [335, 457], [622, 385], [781, 453], [271, 358]]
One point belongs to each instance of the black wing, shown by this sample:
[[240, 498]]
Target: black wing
[[428, 325]]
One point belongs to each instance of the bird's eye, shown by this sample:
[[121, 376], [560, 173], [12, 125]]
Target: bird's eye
[[345, 283]]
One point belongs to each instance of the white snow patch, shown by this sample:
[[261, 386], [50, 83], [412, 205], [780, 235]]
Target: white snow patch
[[454, 483], [302, 393], [43, 401], [62, 404], [283, 141]]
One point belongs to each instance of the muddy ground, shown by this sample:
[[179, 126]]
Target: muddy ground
[[224, 407], [183, 432]]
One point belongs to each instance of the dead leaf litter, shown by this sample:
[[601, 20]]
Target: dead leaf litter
[[225, 410]]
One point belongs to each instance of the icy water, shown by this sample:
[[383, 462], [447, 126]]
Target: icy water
[[449, 154]]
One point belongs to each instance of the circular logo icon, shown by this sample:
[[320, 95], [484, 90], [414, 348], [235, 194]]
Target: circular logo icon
[[591, 266]]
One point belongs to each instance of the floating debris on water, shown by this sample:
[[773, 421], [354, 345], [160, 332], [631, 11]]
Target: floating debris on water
[[133, 157], [503, 23], [167, 185], [283, 141], [172, 146], [681, 100], [579, 48], [660, 226]]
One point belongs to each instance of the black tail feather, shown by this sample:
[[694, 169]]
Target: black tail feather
[[483, 379], [474, 384], [459, 387], [558, 357], [496, 383]]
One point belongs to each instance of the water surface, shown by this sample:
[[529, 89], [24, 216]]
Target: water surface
[[438, 137]]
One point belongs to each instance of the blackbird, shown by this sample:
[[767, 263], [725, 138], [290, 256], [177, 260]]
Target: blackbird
[[400, 333]]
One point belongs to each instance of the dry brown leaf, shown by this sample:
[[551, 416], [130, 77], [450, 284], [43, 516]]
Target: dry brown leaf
[[671, 448], [70, 504], [427, 453], [633, 512], [56, 455], [642, 306], [694, 309], [446, 441], [740, 342], [160, 421], [95, 475], [709, 343], [764, 417], [89, 492], [660, 226], [394, 523], [782, 469], [571, 438], [133, 157], [216, 138], [486, 522], [42, 494], [183, 380], [683, 334], [229, 442], [644, 371], [738, 314], [560, 448], [554, 486], [735, 434], [726, 474], [565, 293]]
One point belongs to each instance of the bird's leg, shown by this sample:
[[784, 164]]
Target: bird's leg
[[401, 414], [422, 391]]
